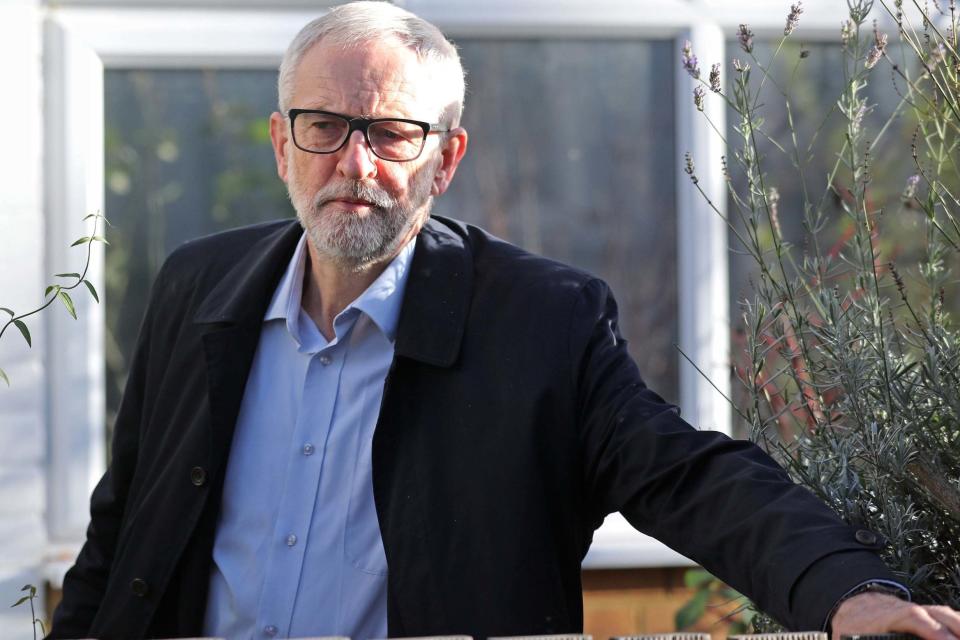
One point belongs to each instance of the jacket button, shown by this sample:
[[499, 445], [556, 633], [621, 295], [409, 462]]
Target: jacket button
[[866, 537], [198, 476], [139, 587]]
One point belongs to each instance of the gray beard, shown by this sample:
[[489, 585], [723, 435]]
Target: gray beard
[[353, 242]]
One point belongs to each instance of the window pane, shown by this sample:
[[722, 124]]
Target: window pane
[[571, 155], [188, 154]]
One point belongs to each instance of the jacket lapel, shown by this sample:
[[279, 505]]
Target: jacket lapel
[[437, 298], [230, 319], [429, 335]]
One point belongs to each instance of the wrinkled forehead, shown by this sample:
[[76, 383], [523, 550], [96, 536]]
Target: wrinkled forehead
[[374, 79]]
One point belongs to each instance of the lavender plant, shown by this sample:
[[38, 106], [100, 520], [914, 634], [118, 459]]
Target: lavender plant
[[850, 371]]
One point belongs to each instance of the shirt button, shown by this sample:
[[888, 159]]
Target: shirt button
[[291, 540], [308, 449], [325, 360], [270, 630]]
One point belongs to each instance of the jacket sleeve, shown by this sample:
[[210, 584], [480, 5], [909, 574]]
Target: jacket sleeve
[[721, 502], [85, 583]]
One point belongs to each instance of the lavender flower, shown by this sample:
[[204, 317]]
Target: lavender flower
[[715, 78], [698, 94], [846, 31], [911, 189], [793, 19], [745, 37], [689, 169], [690, 62], [773, 201], [879, 48], [938, 54], [858, 116], [739, 66]]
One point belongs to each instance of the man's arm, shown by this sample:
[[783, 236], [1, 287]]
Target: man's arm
[[724, 503]]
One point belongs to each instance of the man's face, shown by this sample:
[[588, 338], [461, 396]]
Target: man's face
[[358, 209]]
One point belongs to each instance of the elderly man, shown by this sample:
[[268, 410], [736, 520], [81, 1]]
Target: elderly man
[[373, 422]]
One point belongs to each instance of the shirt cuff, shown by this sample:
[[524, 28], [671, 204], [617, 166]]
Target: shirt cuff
[[881, 586]]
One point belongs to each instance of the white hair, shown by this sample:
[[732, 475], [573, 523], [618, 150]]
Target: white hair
[[358, 23]]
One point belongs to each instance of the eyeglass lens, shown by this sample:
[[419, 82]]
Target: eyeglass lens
[[391, 139]]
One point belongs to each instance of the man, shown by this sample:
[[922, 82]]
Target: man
[[398, 425]]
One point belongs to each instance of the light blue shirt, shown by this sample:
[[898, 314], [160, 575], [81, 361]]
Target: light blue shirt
[[298, 550]]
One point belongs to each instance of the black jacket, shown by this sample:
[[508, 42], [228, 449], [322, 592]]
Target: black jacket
[[513, 420]]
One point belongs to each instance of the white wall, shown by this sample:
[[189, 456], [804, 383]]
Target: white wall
[[22, 414]]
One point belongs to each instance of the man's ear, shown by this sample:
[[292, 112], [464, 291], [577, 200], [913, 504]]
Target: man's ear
[[454, 146], [279, 138]]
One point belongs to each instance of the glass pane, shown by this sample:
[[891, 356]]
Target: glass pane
[[571, 155]]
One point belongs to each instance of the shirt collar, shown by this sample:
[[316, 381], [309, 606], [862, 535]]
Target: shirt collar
[[380, 301]]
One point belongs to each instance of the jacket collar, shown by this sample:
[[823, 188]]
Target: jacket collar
[[437, 299], [435, 304]]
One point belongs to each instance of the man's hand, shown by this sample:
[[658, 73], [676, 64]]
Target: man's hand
[[881, 613]]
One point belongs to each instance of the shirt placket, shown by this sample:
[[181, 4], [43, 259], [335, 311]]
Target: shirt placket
[[298, 499]]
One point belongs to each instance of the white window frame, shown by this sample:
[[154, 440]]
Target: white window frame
[[84, 37]]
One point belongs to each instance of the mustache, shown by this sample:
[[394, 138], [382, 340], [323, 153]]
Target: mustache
[[354, 190]]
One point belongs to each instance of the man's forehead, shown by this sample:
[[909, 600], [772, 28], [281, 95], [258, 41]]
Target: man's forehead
[[375, 79]]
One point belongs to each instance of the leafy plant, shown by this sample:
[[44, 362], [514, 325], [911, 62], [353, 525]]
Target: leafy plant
[[33, 614], [59, 292], [850, 371], [709, 593]]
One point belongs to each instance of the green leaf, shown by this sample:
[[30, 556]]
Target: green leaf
[[697, 578], [10, 311], [738, 628], [93, 291], [99, 239], [91, 215], [20, 602], [3, 376], [82, 240], [68, 303], [68, 275], [731, 594], [692, 611], [51, 288], [26, 336], [28, 587]]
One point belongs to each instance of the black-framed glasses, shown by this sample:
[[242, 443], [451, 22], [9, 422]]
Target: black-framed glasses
[[393, 139]]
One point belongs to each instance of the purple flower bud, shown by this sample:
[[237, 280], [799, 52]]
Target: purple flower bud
[[911, 189], [745, 37], [846, 32], [793, 19], [689, 60], [715, 78], [698, 94]]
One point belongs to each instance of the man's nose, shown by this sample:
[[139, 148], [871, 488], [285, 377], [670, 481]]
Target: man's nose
[[356, 159]]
